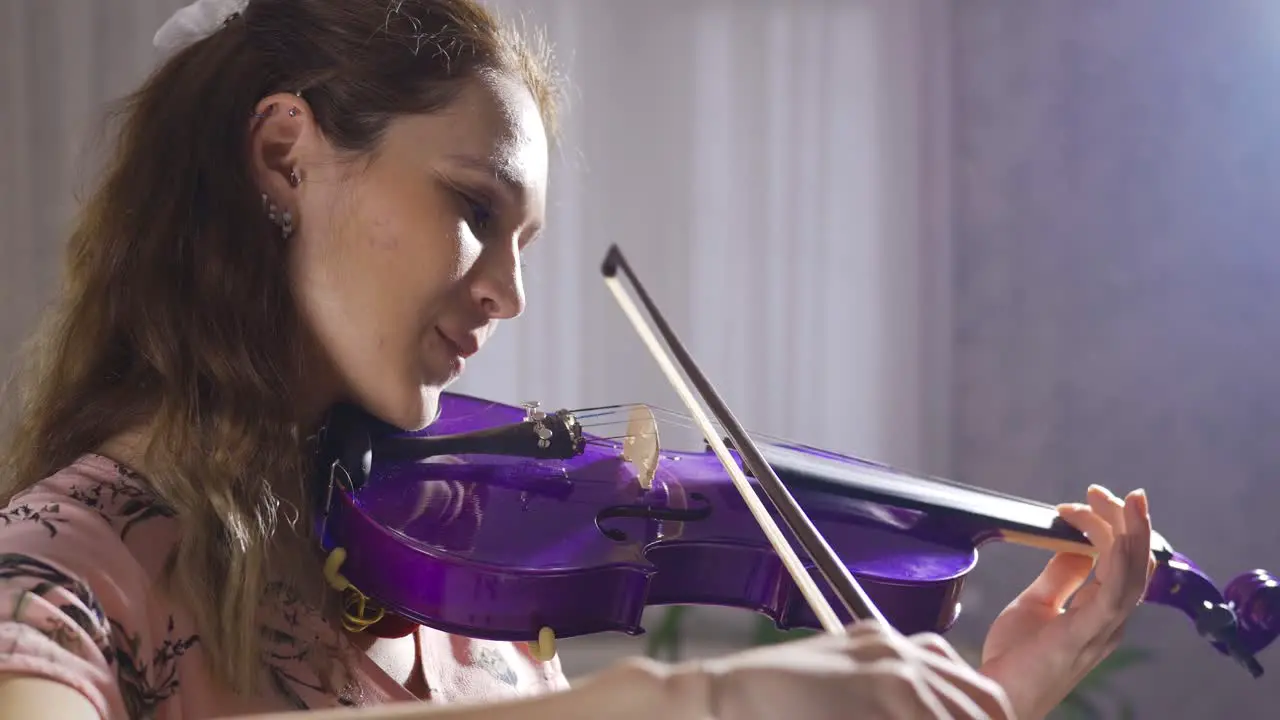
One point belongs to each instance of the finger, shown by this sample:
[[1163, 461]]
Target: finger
[[960, 694], [1131, 559], [951, 680], [874, 632], [1107, 505], [1086, 595], [935, 643], [1142, 524], [893, 688], [1140, 558], [1087, 520], [871, 641], [890, 658], [965, 692], [1061, 578], [1138, 515]]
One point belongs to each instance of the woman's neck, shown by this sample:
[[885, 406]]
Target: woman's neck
[[129, 448]]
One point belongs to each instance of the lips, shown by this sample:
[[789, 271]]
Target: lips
[[463, 346]]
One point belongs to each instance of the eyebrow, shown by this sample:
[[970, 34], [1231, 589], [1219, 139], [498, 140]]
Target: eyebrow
[[493, 168]]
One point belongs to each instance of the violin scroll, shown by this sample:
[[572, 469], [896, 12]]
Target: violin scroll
[[1239, 621], [1254, 599]]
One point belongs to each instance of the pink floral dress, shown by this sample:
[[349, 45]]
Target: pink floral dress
[[80, 555]]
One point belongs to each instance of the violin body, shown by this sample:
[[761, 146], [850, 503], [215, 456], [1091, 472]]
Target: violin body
[[509, 547]]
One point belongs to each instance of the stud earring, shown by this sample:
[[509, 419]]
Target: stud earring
[[294, 178]]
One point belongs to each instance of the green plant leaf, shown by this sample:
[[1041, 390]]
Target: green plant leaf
[[1077, 707], [1084, 701], [767, 633], [1123, 657], [665, 641]]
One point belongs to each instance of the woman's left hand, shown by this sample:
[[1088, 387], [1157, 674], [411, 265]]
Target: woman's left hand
[[1056, 631]]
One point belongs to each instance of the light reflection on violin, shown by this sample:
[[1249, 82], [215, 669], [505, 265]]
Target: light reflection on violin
[[436, 510]]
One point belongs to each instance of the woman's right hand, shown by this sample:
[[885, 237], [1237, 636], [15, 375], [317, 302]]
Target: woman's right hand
[[872, 672]]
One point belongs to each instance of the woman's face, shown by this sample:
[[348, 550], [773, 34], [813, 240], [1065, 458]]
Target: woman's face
[[403, 263]]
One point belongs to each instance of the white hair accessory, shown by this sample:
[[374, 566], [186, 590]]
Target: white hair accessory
[[195, 22]]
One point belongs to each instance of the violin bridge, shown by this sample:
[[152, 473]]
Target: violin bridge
[[640, 445]]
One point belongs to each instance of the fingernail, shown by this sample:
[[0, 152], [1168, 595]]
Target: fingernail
[[1099, 490]]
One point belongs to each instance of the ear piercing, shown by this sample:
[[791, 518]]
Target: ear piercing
[[293, 111], [283, 219]]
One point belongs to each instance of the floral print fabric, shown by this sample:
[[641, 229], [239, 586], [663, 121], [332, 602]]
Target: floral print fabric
[[80, 556]]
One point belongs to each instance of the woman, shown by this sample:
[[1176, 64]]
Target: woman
[[324, 200]]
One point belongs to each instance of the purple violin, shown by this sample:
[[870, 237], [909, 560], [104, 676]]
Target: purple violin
[[510, 523]]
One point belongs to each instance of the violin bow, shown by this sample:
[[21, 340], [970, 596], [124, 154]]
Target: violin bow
[[842, 581]]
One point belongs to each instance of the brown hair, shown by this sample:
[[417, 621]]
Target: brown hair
[[175, 313]]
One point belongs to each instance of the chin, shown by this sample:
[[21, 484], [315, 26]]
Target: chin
[[410, 411], [428, 405]]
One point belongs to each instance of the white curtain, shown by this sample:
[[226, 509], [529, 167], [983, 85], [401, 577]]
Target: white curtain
[[776, 173]]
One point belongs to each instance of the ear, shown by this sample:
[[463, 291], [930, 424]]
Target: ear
[[283, 136]]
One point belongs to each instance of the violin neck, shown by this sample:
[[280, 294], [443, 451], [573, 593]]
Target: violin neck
[[945, 508]]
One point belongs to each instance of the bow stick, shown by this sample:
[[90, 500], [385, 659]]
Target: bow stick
[[846, 587]]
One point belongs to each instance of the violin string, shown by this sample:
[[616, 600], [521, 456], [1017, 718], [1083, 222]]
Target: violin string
[[671, 417], [600, 439], [684, 425], [683, 421]]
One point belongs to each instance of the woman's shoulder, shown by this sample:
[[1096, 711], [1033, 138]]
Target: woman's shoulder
[[93, 480], [95, 503], [80, 552], [114, 491]]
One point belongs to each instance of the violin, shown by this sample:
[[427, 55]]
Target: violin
[[512, 523]]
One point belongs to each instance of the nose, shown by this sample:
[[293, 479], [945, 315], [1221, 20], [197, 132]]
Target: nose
[[499, 286]]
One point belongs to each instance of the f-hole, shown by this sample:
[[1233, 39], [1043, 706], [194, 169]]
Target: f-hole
[[649, 512]]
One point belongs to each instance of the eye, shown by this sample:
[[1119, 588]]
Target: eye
[[479, 212]]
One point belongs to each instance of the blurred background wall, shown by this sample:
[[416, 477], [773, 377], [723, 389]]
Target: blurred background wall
[[1027, 244]]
